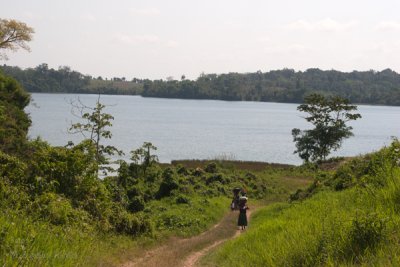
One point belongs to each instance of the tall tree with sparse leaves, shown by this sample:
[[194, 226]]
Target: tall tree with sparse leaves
[[329, 116], [95, 128]]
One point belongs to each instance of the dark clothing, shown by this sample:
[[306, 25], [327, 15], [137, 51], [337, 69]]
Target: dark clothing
[[242, 221]]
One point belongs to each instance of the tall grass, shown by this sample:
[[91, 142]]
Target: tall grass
[[328, 229], [27, 243], [357, 226]]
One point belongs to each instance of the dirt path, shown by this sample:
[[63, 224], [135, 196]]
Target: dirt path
[[186, 252], [192, 259]]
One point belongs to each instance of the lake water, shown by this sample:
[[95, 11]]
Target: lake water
[[206, 129]]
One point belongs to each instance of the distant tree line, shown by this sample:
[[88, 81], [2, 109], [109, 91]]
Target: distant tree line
[[43, 79], [287, 85]]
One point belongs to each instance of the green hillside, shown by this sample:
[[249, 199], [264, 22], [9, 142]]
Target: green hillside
[[348, 217]]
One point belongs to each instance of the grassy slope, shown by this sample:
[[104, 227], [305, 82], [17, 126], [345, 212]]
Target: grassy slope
[[357, 226]]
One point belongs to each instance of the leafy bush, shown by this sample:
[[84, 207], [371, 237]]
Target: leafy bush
[[136, 204], [168, 184], [12, 168], [56, 209], [342, 179], [367, 232], [182, 170], [211, 167], [181, 199], [130, 224]]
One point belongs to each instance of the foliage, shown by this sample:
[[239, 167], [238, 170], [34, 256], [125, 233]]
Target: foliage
[[14, 122], [143, 158], [13, 35], [168, 183], [329, 117]]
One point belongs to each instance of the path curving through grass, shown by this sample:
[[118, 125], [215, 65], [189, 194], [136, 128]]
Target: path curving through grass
[[186, 252]]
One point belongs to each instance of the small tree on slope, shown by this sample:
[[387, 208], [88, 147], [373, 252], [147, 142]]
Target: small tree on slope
[[329, 117]]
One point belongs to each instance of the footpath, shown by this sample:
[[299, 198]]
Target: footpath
[[186, 252]]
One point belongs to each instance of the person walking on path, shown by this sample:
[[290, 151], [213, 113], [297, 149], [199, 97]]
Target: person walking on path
[[242, 220]]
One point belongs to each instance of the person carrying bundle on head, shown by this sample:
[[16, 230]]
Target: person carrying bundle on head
[[235, 201], [242, 220]]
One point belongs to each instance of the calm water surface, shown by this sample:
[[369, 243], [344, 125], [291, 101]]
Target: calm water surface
[[206, 129]]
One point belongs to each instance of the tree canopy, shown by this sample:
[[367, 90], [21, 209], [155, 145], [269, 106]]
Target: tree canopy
[[329, 117], [14, 35]]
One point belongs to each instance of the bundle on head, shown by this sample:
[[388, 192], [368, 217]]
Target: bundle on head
[[242, 200]]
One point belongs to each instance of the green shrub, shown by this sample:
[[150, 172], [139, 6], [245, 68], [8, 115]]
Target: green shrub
[[342, 179], [211, 167], [181, 199], [130, 224], [57, 210], [168, 184], [12, 168], [136, 204], [215, 178], [367, 232], [12, 197], [134, 191], [182, 170], [198, 172]]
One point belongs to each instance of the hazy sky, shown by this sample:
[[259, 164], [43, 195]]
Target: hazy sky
[[159, 38]]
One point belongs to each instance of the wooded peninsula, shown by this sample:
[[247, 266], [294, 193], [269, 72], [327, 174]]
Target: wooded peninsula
[[287, 85]]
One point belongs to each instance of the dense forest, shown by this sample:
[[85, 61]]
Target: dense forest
[[287, 85]]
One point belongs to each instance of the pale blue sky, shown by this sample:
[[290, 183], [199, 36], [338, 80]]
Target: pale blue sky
[[159, 38]]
